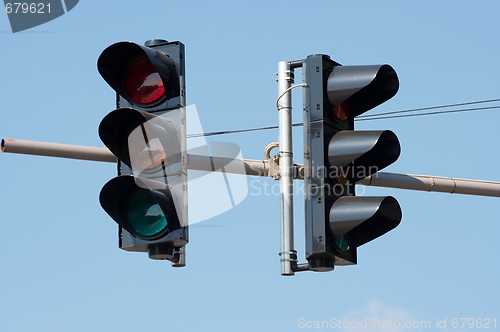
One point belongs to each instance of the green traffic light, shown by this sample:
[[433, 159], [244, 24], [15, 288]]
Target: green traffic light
[[342, 244], [145, 216]]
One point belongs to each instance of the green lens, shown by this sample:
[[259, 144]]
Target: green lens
[[145, 216], [342, 244]]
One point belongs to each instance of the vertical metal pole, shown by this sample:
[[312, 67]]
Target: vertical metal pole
[[288, 255]]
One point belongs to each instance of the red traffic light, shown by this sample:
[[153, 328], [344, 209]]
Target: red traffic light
[[144, 76], [142, 82], [341, 111], [353, 90]]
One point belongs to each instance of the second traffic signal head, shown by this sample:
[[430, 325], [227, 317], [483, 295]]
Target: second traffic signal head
[[336, 157]]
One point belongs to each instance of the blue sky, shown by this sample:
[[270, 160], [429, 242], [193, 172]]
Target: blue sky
[[61, 266]]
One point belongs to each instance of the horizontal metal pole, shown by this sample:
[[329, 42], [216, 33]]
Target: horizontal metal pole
[[195, 162], [57, 150], [433, 184], [228, 165], [261, 168]]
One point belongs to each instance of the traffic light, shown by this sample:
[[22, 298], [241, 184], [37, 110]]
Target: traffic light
[[336, 156], [147, 134]]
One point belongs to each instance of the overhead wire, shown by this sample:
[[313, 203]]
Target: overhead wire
[[377, 116], [381, 116], [214, 133], [428, 108]]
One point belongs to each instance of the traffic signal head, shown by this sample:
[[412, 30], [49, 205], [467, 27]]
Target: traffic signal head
[[147, 134], [336, 157]]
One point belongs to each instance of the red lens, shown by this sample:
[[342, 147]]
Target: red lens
[[341, 112], [142, 83]]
